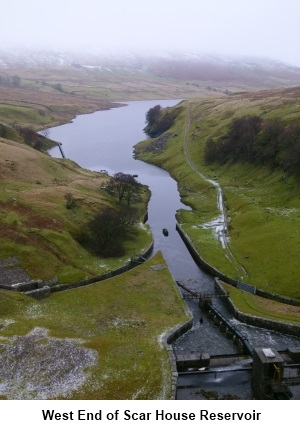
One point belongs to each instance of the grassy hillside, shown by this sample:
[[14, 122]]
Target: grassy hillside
[[40, 107], [43, 89], [264, 308], [51, 96], [98, 342], [39, 230], [262, 204], [101, 341]]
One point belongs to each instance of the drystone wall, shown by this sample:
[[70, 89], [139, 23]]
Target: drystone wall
[[223, 277], [112, 273], [201, 262], [279, 326]]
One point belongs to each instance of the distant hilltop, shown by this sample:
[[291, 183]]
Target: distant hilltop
[[252, 71]]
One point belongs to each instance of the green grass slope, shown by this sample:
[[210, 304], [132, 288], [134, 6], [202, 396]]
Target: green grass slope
[[48, 95], [102, 341], [39, 230], [262, 204]]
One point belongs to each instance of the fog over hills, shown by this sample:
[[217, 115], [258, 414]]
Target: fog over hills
[[188, 66]]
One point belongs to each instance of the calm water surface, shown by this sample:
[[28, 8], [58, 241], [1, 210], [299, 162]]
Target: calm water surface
[[104, 140]]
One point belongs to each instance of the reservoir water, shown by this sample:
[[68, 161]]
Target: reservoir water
[[104, 140]]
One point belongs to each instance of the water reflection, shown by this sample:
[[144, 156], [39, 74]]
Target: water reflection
[[104, 141]]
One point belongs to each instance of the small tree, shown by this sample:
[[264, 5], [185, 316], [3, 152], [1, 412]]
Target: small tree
[[124, 185], [158, 121], [152, 115], [28, 135], [105, 233]]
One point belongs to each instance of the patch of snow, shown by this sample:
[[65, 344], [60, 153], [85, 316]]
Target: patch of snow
[[142, 226], [102, 265], [120, 322], [34, 310], [5, 323], [281, 211], [39, 366]]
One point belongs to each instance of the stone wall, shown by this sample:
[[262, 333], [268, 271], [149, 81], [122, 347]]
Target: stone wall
[[216, 273], [201, 262], [279, 326], [37, 289], [168, 339], [32, 287], [8, 287], [39, 293], [277, 298], [112, 273]]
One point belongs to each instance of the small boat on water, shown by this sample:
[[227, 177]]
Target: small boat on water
[[165, 232]]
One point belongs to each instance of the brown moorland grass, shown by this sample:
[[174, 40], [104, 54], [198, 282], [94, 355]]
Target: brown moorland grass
[[36, 226], [39, 109]]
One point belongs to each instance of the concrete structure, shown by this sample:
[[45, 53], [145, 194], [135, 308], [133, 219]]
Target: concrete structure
[[186, 361], [267, 375]]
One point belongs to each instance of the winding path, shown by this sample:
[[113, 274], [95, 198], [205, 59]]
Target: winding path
[[219, 224]]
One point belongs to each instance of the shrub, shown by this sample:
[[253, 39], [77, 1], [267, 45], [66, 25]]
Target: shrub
[[104, 234]]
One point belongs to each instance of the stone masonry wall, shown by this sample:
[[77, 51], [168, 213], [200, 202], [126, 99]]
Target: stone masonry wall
[[216, 273], [258, 321], [118, 271]]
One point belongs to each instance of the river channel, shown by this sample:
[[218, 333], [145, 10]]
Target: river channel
[[104, 140]]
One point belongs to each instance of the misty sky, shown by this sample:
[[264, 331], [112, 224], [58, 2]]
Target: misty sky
[[268, 28]]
